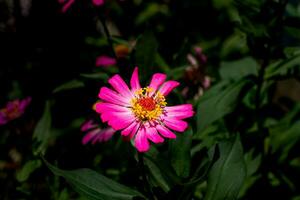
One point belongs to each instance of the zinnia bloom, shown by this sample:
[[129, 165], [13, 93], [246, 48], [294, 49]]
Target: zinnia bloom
[[14, 109], [94, 133], [142, 113]]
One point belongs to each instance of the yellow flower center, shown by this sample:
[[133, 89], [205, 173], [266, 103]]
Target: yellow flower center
[[147, 107]]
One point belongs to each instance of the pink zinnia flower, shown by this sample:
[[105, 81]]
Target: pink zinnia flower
[[142, 113], [68, 3], [13, 110], [94, 133]]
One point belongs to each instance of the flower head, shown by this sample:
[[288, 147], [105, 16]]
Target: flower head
[[13, 109], [94, 133], [142, 113]]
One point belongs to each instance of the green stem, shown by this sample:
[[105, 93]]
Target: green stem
[[144, 177], [108, 36]]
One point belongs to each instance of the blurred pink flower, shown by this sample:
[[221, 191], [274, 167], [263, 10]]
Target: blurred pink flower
[[206, 82], [68, 3], [95, 134], [142, 112], [199, 55], [14, 109], [98, 2], [105, 61]]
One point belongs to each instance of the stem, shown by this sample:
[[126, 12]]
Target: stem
[[108, 36], [260, 83], [144, 177]]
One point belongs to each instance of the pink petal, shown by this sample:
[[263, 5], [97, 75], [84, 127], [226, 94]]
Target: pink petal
[[192, 60], [152, 135], [156, 81], [90, 135], [198, 50], [120, 86], [134, 81], [98, 2], [103, 136], [3, 119], [131, 128], [206, 82], [11, 105], [87, 125], [110, 116], [141, 142], [180, 111], [179, 108], [165, 132], [175, 124], [105, 61], [181, 115], [67, 5], [24, 103], [167, 87], [120, 122], [102, 107], [111, 96]]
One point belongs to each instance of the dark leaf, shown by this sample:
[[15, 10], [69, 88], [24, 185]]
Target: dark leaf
[[227, 175], [74, 84], [42, 130], [180, 153], [238, 69], [214, 105], [146, 51], [94, 186]]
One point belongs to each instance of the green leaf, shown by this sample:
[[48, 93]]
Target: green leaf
[[117, 40], [180, 153], [252, 164], [146, 51], [159, 61], [94, 186], [96, 76], [218, 4], [64, 195], [74, 84], [238, 69], [216, 104], [285, 134], [150, 11], [42, 130], [229, 172], [236, 43], [234, 15], [157, 176], [160, 170], [97, 42], [203, 169], [284, 137], [177, 73], [27, 169], [282, 68]]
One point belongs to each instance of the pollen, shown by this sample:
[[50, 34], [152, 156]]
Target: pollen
[[147, 106]]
